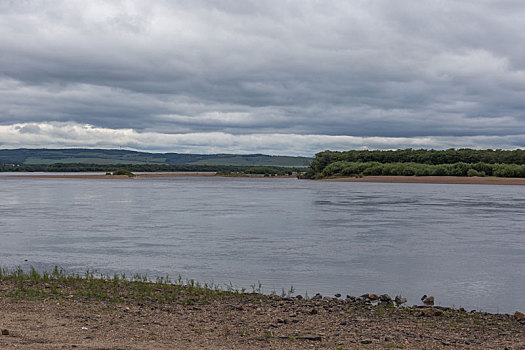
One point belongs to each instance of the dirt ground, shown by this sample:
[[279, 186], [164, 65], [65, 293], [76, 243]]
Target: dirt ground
[[138, 176], [237, 323], [382, 179]]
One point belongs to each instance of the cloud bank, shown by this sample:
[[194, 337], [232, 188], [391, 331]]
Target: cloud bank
[[59, 135], [292, 77]]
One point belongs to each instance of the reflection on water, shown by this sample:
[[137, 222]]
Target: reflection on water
[[464, 244]]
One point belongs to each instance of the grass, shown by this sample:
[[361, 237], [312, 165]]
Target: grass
[[117, 288]]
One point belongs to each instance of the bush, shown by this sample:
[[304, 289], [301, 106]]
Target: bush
[[123, 172], [472, 172]]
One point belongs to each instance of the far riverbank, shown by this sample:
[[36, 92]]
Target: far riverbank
[[137, 176], [377, 179]]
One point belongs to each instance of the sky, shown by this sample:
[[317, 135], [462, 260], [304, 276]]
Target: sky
[[275, 77]]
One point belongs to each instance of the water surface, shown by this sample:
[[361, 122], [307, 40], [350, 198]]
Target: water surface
[[464, 244]]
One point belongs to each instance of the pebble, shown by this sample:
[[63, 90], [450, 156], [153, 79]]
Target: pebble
[[427, 300], [373, 296], [317, 297], [385, 297], [311, 337], [520, 316], [366, 341], [337, 295], [431, 312], [5, 332], [400, 300]]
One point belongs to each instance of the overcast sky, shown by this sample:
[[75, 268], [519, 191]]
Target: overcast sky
[[278, 77]]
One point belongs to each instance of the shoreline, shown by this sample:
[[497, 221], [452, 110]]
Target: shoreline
[[460, 180], [108, 177], [140, 176], [63, 311]]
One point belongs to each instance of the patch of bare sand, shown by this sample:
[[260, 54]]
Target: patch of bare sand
[[235, 323], [110, 177], [138, 176]]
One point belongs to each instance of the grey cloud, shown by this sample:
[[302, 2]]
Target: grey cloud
[[361, 68]]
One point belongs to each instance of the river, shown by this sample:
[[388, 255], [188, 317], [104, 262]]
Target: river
[[463, 244]]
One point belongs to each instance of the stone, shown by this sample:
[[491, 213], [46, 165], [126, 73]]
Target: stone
[[313, 312], [337, 295], [299, 297], [519, 316], [373, 296], [310, 337], [366, 341], [5, 332], [427, 300], [327, 298], [400, 300], [385, 297], [430, 312], [426, 312]]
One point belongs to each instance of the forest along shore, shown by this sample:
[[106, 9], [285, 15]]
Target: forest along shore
[[57, 311]]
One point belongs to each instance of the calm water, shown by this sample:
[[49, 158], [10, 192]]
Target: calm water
[[464, 244]]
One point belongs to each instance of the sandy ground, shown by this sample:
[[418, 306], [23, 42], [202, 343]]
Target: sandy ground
[[236, 323], [435, 180], [138, 176], [111, 177], [381, 179]]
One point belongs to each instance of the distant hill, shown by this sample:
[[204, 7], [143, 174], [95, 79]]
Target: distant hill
[[113, 156]]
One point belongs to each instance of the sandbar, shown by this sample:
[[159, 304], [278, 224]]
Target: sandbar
[[138, 176]]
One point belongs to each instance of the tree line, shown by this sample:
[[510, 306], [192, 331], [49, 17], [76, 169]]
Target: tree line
[[81, 167], [420, 162], [416, 169]]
